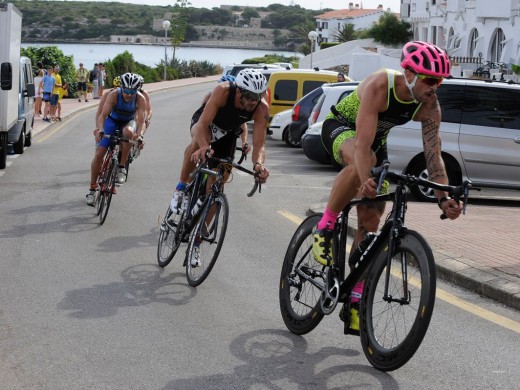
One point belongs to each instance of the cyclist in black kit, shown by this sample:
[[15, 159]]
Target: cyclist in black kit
[[217, 124]]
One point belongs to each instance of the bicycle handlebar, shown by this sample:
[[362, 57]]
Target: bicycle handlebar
[[201, 167], [459, 193], [117, 138]]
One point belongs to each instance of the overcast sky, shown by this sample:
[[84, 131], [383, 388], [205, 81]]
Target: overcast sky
[[307, 4]]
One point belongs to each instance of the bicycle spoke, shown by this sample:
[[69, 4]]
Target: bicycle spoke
[[206, 240]]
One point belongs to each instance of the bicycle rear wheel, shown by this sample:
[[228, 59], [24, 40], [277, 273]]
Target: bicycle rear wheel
[[391, 331], [106, 191], [169, 237], [299, 298], [207, 238]]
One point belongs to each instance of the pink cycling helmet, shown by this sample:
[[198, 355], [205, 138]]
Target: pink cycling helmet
[[425, 58]]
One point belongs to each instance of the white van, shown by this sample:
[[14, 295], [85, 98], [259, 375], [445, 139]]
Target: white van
[[20, 134]]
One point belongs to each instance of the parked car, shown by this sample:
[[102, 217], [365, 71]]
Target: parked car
[[279, 126], [311, 140], [332, 94], [300, 117], [480, 132], [285, 87], [313, 147], [238, 67]]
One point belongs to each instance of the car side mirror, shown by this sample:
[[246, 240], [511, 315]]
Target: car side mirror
[[6, 76]]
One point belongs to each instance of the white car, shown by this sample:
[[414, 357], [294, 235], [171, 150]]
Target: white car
[[332, 94], [280, 124]]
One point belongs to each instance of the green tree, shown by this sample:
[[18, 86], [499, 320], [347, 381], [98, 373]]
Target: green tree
[[50, 56], [346, 33], [249, 13], [390, 31]]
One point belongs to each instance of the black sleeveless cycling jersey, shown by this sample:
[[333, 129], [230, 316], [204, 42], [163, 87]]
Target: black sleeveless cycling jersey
[[228, 118]]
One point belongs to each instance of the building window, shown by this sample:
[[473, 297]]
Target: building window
[[473, 43], [497, 45]]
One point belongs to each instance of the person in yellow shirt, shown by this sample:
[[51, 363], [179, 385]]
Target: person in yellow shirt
[[55, 92], [82, 79], [64, 91]]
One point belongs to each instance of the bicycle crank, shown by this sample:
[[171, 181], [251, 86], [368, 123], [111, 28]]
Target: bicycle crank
[[330, 294]]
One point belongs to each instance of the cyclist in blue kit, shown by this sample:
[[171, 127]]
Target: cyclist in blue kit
[[124, 108]]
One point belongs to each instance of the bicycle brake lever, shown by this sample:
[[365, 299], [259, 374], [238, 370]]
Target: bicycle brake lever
[[256, 186]]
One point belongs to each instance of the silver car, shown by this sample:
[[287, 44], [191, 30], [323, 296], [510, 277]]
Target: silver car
[[480, 134]]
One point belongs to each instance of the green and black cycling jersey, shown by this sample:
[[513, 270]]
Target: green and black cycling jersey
[[338, 128]]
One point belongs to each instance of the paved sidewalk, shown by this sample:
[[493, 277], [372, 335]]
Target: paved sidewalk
[[480, 251]]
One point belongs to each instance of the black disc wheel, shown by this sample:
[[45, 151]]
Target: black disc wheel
[[299, 297], [393, 327]]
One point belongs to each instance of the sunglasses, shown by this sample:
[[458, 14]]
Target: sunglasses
[[430, 80], [129, 91], [251, 96]]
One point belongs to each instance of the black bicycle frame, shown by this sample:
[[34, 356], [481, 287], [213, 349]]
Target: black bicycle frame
[[386, 236]]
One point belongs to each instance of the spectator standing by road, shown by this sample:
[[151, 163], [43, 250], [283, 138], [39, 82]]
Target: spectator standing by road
[[102, 75], [94, 74], [64, 91], [55, 92], [341, 77], [82, 79], [39, 91], [47, 86]]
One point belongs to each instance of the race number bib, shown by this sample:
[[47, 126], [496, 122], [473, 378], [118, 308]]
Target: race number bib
[[216, 132]]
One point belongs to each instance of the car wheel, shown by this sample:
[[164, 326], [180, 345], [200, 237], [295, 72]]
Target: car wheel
[[424, 194], [20, 144], [28, 139], [288, 140]]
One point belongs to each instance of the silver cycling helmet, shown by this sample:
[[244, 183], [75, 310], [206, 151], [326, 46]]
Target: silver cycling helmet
[[130, 81], [251, 80]]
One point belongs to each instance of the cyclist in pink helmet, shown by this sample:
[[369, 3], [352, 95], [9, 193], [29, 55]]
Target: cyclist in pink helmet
[[355, 135]]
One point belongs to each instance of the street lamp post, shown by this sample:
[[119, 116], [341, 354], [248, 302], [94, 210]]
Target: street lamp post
[[166, 26], [313, 35]]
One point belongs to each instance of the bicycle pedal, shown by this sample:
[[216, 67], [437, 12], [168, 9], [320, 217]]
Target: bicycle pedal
[[348, 330]]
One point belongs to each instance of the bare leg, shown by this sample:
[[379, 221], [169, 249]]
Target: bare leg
[[95, 166]]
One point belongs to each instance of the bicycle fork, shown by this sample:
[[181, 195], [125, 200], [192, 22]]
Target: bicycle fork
[[406, 295]]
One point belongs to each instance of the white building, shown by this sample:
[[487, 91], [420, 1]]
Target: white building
[[489, 29], [330, 23], [468, 28]]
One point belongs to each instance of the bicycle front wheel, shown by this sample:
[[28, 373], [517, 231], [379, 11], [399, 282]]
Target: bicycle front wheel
[[169, 237], [106, 191], [392, 329], [206, 240], [299, 296]]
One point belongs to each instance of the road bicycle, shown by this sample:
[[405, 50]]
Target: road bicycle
[[106, 183], [135, 152], [397, 267], [203, 224]]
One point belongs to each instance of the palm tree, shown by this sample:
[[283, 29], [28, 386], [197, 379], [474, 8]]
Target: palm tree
[[346, 33]]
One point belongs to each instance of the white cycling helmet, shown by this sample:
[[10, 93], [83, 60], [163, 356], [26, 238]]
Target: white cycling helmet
[[251, 80], [130, 81]]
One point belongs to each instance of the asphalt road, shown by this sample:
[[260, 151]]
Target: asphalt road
[[84, 306]]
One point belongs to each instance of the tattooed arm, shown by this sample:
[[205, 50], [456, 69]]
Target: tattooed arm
[[430, 117]]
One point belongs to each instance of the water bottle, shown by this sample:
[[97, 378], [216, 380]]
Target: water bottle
[[198, 205], [184, 203]]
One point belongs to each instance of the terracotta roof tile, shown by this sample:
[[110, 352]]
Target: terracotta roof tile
[[347, 13]]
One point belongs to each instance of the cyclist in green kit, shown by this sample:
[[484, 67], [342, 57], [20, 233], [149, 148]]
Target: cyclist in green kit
[[355, 134]]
